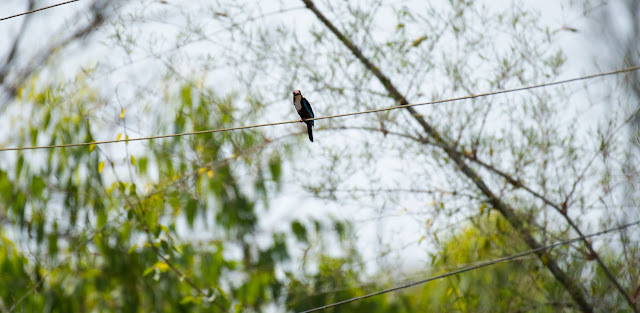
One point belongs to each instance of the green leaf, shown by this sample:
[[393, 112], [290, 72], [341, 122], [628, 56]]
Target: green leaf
[[192, 299], [275, 168], [142, 165], [299, 231], [52, 241], [187, 300], [185, 94], [164, 228], [190, 210], [19, 165], [148, 271], [165, 245], [37, 186], [483, 207], [34, 135]]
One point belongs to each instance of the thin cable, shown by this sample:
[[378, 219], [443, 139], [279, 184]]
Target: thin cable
[[629, 69], [36, 10], [469, 268]]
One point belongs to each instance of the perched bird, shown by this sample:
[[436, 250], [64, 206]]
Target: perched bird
[[304, 110]]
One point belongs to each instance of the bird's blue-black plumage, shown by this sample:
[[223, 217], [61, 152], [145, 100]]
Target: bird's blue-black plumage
[[305, 111], [307, 106]]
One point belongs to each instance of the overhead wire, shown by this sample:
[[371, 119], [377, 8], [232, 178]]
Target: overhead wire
[[465, 269], [40, 9], [473, 267], [472, 96]]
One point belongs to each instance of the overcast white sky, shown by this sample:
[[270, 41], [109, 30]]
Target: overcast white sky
[[373, 235]]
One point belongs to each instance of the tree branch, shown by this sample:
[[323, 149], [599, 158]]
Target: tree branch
[[517, 183], [99, 10], [12, 53], [508, 212]]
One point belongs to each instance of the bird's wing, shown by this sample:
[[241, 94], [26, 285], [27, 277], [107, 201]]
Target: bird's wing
[[307, 106]]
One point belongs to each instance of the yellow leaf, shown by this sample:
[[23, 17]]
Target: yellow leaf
[[133, 160], [100, 167], [202, 170], [92, 147], [210, 173], [161, 266], [418, 41], [122, 114], [428, 224], [126, 137], [110, 189], [119, 135]]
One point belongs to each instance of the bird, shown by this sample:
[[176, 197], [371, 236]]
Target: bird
[[304, 110]]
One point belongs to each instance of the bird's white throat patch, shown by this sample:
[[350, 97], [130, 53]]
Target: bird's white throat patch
[[297, 102]]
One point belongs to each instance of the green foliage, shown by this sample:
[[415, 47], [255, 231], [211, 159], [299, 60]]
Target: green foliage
[[103, 243], [13, 265], [517, 285], [337, 279], [174, 224]]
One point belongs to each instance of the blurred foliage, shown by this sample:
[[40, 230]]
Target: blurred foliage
[[104, 234], [174, 225], [520, 285]]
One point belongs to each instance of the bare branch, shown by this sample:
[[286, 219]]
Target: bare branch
[[574, 289]]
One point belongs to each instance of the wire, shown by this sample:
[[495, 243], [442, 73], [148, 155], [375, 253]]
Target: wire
[[629, 69], [469, 268], [36, 10]]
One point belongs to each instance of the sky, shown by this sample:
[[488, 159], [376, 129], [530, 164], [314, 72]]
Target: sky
[[403, 224]]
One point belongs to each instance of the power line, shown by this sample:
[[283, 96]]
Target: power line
[[473, 96], [473, 267], [36, 10]]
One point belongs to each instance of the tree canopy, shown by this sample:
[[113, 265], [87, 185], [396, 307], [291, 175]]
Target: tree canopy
[[258, 219]]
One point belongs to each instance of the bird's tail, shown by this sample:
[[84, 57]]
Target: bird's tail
[[310, 131]]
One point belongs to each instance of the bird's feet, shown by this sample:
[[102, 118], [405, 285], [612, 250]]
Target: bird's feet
[[302, 120]]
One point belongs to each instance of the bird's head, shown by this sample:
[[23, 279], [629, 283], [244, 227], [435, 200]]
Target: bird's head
[[297, 96]]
